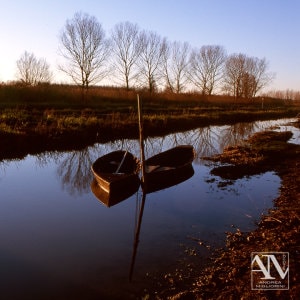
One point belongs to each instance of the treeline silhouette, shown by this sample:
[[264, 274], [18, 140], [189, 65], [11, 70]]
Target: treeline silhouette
[[133, 58]]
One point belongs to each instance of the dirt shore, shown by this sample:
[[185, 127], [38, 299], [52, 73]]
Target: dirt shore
[[228, 275]]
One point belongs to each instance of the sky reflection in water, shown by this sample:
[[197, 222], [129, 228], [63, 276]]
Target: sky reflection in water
[[54, 231]]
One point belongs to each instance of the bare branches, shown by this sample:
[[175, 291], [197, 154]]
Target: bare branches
[[33, 71], [206, 66], [150, 60], [146, 60], [126, 48], [245, 76], [175, 66], [85, 49]]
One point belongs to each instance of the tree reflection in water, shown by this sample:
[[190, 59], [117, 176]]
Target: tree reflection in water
[[74, 171], [74, 167]]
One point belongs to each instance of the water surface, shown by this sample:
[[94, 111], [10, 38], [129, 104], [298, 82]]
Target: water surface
[[58, 240]]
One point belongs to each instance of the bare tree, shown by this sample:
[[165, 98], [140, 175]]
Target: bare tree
[[259, 71], [150, 59], [86, 50], [234, 68], [126, 46], [175, 66], [245, 76], [206, 67], [33, 71]]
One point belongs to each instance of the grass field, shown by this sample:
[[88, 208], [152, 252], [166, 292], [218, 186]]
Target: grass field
[[58, 109]]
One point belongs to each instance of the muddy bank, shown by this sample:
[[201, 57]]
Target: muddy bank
[[228, 274]]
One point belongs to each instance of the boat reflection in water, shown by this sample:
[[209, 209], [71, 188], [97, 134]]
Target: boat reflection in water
[[115, 177], [168, 168], [115, 196], [161, 171], [164, 179], [186, 172]]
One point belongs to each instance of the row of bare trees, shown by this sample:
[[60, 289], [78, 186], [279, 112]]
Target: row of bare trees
[[137, 58]]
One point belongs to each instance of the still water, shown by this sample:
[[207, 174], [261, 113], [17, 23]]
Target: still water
[[58, 240]]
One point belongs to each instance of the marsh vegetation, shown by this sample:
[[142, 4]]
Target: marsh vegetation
[[51, 117]]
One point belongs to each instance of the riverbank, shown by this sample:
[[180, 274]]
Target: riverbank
[[60, 117], [228, 275], [25, 131]]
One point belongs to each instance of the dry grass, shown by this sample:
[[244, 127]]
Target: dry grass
[[59, 108]]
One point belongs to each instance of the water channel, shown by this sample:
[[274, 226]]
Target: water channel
[[58, 240]]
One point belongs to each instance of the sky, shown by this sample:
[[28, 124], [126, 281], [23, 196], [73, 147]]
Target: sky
[[260, 28]]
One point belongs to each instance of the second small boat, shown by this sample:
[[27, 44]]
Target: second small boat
[[168, 167]]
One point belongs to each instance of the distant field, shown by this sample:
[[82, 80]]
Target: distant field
[[58, 109], [64, 96], [45, 118]]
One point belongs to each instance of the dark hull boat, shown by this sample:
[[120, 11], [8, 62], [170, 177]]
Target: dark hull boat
[[168, 168], [115, 196], [116, 170], [156, 183]]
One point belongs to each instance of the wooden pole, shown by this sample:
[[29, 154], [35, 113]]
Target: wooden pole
[[138, 228], [141, 137]]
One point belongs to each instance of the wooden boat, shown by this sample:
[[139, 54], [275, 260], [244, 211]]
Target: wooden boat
[[116, 170], [156, 182], [115, 196], [168, 168]]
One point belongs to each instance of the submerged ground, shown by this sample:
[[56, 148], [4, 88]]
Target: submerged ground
[[228, 276]]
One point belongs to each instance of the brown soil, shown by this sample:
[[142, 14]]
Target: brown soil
[[228, 275]]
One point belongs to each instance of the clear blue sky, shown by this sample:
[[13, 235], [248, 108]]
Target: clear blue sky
[[260, 28]]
